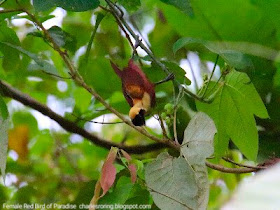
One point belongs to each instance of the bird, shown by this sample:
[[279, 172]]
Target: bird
[[138, 91]]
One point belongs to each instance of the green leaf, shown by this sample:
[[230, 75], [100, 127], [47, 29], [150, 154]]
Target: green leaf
[[233, 109], [183, 5], [4, 126], [40, 63], [40, 18], [172, 183], [85, 192], [99, 18], [25, 118], [8, 15], [139, 195], [3, 109], [130, 5], [179, 73], [70, 5], [96, 72], [120, 193], [11, 56], [82, 99], [62, 38], [43, 144], [196, 147], [233, 58]]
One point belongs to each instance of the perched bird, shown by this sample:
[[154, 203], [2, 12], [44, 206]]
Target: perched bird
[[137, 90]]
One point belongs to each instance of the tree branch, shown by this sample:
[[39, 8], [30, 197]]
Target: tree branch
[[243, 165], [230, 170], [8, 91]]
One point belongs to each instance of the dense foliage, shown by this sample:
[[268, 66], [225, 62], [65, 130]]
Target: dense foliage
[[57, 54]]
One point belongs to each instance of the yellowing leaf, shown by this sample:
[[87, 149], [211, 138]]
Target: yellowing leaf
[[18, 141]]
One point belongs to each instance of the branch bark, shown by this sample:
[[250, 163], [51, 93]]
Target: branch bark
[[230, 170], [8, 91]]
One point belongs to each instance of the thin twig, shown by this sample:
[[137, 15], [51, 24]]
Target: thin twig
[[243, 165], [135, 36], [127, 35], [230, 170], [212, 73], [55, 75], [194, 79], [92, 121], [162, 126], [133, 22]]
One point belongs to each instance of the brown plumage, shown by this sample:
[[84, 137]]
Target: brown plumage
[[137, 90]]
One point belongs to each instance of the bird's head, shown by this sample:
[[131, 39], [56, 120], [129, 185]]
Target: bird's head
[[137, 116]]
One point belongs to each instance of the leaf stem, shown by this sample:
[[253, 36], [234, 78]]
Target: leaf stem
[[211, 76]]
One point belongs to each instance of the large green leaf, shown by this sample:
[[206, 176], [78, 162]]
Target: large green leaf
[[196, 147], [62, 38], [26, 118], [99, 18], [4, 125], [130, 5], [183, 5], [120, 193], [180, 74], [71, 5], [211, 17], [172, 183], [96, 72], [12, 4], [232, 57], [233, 110], [40, 63], [139, 195], [11, 56]]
